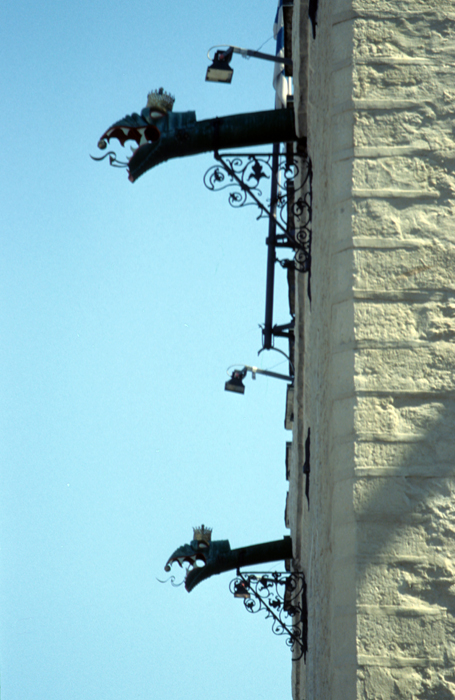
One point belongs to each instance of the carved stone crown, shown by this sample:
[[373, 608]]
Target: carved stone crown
[[160, 100], [202, 534]]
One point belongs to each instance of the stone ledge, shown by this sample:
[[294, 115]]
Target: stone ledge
[[401, 610], [407, 295], [393, 193], [393, 472], [416, 149], [366, 437], [374, 344], [353, 104], [377, 242], [362, 12], [398, 661]]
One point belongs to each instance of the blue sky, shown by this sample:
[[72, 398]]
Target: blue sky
[[122, 307]]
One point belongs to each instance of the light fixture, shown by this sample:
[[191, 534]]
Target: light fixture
[[241, 590], [221, 72], [235, 383]]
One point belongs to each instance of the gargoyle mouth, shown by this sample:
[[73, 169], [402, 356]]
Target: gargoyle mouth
[[140, 134], [191, 559]]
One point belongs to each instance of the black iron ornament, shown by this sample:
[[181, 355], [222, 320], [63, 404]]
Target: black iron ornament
[[306, 466], [113, 160], [312, 14], [244, 174], [282, 596]]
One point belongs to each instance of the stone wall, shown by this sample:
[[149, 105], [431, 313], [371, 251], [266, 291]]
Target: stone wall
[[375, 92]]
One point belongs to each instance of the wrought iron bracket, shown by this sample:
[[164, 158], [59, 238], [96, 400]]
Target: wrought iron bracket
[[283, 331], [241, 174], [282, 596]]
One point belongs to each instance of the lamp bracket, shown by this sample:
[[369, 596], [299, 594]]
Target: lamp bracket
[[282, 595], [283, 331], [241, 175]]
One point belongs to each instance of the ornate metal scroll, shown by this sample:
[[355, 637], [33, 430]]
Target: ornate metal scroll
[[244, 175], [282, 595], [112, 160]]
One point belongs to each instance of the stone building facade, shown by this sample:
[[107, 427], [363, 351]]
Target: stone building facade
[[374, 412]]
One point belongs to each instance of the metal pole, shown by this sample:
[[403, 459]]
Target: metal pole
[[267, 334], [264, 56], [268, 373]]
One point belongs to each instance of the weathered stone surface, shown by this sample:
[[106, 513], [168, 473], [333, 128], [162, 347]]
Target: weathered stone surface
[[397, 631], [400, 219], [408, 453], [395, 417], [403, 369], [376, 357], [431, 268]]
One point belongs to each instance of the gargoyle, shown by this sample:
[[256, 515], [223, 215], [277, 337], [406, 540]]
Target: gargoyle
[[161, 134], [218, 557]]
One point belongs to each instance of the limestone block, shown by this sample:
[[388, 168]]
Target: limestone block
[[389, 417], [443, 9], [404, 218], [344, 639], [342, 421], [343, 324], [342, 273], [389, 322], [342, 378], [342, 457], [405, 269], [397, 128], [402, 499], [344, 585], [402, 369], [424, 580], [341, 180], [342, 221], [402, 174], [408, 540], [342, 130], [341, 87], [405, 454], [406, 683], [342, 41], [406, 81], [343, 503], [399, 38], [344, 542], [383, 322], [403, 632]]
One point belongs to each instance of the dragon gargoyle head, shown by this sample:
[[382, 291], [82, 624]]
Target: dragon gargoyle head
[[200, 553], [155, 121], [159, 134]]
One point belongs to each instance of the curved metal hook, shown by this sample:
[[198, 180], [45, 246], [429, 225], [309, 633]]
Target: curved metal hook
[[282, 352], [112, 159], [171, 579]]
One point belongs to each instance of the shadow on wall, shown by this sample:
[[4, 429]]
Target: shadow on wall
[[406, 547]]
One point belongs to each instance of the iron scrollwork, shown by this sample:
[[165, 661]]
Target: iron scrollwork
[[244, 174], [282, 595], [112, 160]]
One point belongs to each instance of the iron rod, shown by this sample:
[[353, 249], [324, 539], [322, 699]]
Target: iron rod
[[271, 253]]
